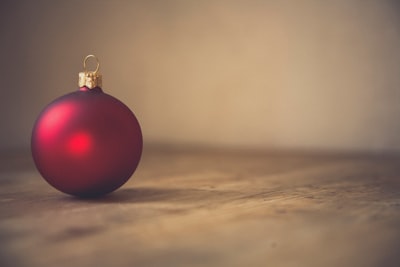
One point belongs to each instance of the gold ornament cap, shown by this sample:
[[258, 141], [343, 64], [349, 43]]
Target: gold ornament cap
[[90, 79]]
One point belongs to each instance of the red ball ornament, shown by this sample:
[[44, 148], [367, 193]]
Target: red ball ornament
[[87, 143]]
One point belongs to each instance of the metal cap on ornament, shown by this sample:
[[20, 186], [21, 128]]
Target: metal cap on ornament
[[90, 79]]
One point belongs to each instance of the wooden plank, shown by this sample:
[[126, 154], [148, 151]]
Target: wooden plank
[[192, 207]]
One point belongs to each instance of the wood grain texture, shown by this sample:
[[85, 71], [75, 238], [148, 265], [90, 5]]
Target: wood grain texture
[[192, 207]]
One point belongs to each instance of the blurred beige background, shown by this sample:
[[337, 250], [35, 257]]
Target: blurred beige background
[[302, 74]]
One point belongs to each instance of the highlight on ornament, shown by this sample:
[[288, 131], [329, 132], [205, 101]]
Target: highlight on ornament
[[87, 143]]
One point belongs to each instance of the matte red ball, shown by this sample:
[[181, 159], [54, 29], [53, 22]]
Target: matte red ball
[[86, 143]]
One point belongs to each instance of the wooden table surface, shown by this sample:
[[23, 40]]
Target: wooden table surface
[[199, 207]]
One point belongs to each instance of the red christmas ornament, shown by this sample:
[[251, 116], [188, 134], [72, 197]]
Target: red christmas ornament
[[86, 143]]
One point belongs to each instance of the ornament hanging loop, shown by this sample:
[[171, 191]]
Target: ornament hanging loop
[[97, 63], [90, 79]]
